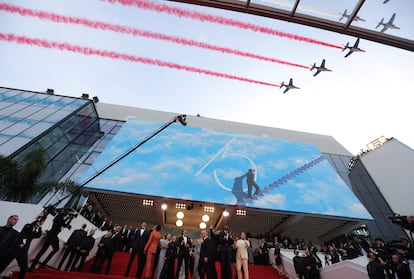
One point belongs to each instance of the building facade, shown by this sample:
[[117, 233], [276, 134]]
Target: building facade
[[75, 131]]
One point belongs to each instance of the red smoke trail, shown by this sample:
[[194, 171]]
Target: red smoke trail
[[146, 5], [116, 55], [136, 32]]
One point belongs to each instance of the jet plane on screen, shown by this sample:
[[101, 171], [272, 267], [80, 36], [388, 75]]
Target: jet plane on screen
[[288, 86], [387, 25], [345, 15], [320, 68], [353, 48]]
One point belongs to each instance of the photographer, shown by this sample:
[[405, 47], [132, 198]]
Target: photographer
[[375, 267], [399, 268], [62, 220]]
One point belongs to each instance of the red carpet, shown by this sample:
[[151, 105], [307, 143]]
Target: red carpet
[[119, 264]]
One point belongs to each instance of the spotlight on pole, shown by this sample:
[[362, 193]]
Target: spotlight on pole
[[182, 119]]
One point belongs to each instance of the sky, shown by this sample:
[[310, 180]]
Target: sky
[[367, 95]]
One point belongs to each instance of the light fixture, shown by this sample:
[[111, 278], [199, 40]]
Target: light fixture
[[241, 212], [208, 209], [226, 213], [203, 225], [85, 96], [164, 206], [180, 215], [95, 99], [205, 218], [50, 91], [180, 206], [179, 223], [148, 202]]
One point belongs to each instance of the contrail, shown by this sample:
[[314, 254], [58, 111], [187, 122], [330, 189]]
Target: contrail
[[162, 8], [122, 56], [43, 15]]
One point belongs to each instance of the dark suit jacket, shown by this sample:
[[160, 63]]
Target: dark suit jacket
[[27, 234], [183, 250], [115, 242], [87, 243], [140, 240]]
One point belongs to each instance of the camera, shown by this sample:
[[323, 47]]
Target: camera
[[404, 221]]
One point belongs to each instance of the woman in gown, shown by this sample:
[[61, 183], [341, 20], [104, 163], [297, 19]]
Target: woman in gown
[[196, 255], [168, 271], [163, 250], [150, 250]]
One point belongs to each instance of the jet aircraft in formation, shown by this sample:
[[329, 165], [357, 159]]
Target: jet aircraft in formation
[[320, 68], [353, 48], [387, 25], [345, 15], [288, 86]]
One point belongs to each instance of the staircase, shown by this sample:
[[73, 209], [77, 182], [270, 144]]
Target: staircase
[[119, 263]]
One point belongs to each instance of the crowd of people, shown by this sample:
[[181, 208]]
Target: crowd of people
[[161, 257], [175, 257]]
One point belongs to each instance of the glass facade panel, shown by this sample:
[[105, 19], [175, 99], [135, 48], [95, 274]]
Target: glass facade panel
[[42, 114], [56, 116], [29, 110], [34, 98], [37, 129], [7, 93], [12, 109], [18, 127], [7, 148], [18, 98]]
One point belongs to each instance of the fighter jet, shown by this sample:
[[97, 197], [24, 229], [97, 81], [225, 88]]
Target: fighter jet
[[288, 86], [385, 2], [387, 25], [353, 48], [321, 68], [345, 15]]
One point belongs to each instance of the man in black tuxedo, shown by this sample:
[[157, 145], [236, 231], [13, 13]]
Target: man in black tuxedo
[[263, 251], [8, 238], [137, 249], [207, 259], [298, 265], [184, 244], [70, 246], [115, 246], [62, 220], [83, 249], [226, 249], [104, 248]]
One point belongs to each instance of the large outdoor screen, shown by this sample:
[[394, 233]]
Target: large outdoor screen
[[212, 166]]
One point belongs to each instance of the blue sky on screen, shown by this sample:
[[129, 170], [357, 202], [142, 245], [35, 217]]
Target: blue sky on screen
[[210, 166]]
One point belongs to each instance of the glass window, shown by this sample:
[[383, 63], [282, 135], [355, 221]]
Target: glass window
[[35, 98], [4, 138], [12, 109], [37, 129], [76, 103], [19, 97], [7, 93], [61, 103], [4, 105], [12, 145], [29, 110], [49, 100], [42, 114], [56, 116], [5, 123], [18, 127]]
